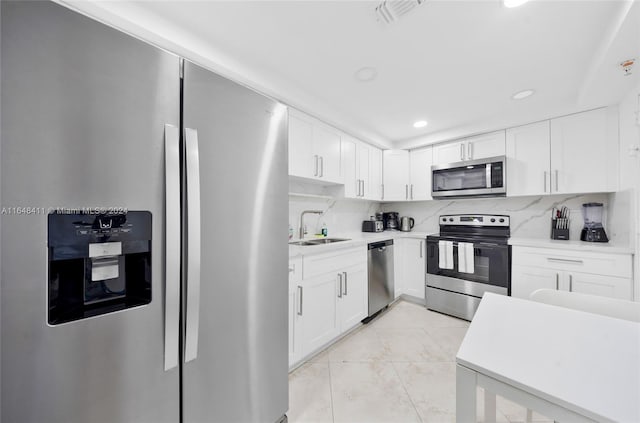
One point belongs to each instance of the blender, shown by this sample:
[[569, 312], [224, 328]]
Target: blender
[[593, 230]]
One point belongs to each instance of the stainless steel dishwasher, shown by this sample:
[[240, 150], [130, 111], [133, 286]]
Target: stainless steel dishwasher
[[381, 287]]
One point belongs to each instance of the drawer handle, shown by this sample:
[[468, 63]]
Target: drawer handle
[[300, 303], [565, 260]]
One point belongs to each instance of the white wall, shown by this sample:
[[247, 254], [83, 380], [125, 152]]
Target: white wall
[[630, 171]]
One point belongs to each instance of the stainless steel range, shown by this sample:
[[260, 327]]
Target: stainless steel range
[[469, 257]]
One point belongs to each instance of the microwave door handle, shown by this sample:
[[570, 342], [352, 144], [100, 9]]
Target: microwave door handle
[[488, 175]]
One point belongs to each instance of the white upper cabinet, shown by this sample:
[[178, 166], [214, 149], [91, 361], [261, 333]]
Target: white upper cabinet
[[314, 149], [567, 155], [528, 152], [472, 148], [361, 169], [584, 151], [420, 173], [396, 175], [375, 174]]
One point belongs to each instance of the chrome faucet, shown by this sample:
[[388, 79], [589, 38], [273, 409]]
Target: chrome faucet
[[301, 219]]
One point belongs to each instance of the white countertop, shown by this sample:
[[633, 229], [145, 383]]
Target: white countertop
[[355, 239], [577, 245], [584, 362]]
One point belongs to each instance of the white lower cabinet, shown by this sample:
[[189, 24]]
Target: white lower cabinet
[[329, 299], [605, 274], [413, 264], [295, 277]]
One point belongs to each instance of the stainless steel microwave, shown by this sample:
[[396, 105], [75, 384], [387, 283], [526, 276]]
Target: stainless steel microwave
[[473, 178]]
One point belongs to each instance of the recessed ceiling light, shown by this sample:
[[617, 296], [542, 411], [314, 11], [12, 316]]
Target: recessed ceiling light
[[366, 74], [420, 124], [522, 94], [513, 3]]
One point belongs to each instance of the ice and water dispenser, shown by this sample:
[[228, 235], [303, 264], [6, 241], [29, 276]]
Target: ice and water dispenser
[[98, 263]]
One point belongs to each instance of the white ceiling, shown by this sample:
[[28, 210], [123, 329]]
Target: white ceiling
[[453, 63]]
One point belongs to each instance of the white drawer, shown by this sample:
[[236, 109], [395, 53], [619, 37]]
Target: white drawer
[[609, 264], [333, 261]]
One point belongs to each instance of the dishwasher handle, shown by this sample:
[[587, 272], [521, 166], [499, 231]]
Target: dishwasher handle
[[380, 245]]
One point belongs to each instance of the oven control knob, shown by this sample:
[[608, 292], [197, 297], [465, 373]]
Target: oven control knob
[[501, 220], [493, 219], [451, 219], [444, 219]]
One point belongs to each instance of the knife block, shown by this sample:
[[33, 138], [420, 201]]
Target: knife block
[[556, 233]]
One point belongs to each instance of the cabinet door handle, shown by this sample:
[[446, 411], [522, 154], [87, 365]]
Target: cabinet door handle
[[556, 180], [406, 192], [420, 249], [321, 166], [411, 196], [382, 186], [315, 165], [565, 260], [340, 283], [292, 269], [462, 151], [345, 284], [545, 181], [570, 283], [557, 281], [470, 151], [362, 187], [299, 300]]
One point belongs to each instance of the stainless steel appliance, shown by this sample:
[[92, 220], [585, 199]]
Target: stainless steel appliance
[[473, 178], [391, 220], [372, 226], [406, 223], [593, 230], [469, 257], [120, 160], [380, 269]]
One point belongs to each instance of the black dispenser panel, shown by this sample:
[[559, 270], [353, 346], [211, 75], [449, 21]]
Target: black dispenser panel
[[98, 264]]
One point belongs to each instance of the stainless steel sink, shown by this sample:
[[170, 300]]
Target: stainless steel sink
[[301, 243], [327, 240], [319, 241]]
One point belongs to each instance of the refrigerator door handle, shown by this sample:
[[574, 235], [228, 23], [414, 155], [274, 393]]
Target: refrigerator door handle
[[193, 245], [172, 246]]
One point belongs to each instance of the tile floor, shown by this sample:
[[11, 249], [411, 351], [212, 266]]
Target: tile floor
[[398, 368]]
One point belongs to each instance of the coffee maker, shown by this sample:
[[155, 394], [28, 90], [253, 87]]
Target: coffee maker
[[593, 230], [391, 220]]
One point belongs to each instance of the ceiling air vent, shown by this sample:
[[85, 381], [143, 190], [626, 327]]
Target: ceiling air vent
[[390, 11]]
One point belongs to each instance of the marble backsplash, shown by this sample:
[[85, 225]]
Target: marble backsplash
[[530, 216]]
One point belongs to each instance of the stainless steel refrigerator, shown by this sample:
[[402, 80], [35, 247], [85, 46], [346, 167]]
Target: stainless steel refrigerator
[[143, 244]]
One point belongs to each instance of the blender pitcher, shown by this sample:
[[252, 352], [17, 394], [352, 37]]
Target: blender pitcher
[[593, 230]]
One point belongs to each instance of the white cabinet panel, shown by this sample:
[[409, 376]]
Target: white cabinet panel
[[451, 152], [301, 157], [420, 170], [485, 145], [375, 174], [363, 169], [584, 151], [352, 303], [314, 149], [414, 267], [396, 175], [598, 285], [528, 155], [398, 266], [526, 279], [472, 148], [319, 311], [350, 167]]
